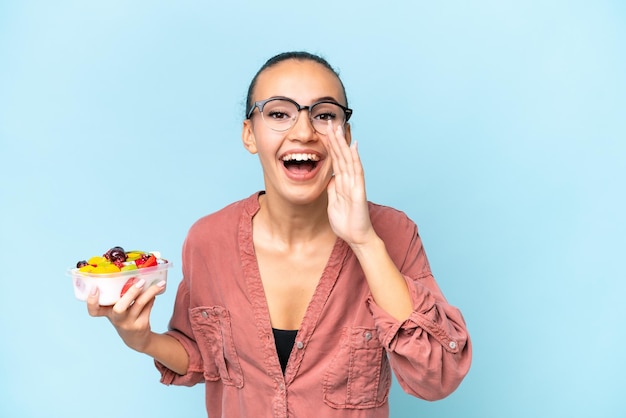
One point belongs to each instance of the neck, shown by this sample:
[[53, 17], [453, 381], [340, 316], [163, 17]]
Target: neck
[[293, 224]]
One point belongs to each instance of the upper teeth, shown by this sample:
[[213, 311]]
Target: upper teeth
[[301, 157]]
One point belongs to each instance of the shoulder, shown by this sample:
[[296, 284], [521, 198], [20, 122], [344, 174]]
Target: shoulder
[[223, 221], [394, 227], [401, 237], [387, 218]]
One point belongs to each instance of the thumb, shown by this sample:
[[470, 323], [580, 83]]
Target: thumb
[[93, 303], [92, 298]]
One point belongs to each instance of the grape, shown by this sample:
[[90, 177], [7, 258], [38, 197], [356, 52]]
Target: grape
[[115, 254], [81, 263]]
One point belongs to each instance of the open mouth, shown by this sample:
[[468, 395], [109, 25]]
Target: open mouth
[[300, 162]]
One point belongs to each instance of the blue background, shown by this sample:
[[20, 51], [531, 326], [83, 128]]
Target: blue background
[[498, 126]]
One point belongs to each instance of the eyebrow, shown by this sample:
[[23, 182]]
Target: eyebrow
[[318, 99], [326, 98]]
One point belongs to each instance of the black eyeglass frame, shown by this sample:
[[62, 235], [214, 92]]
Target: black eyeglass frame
[[261, 104]]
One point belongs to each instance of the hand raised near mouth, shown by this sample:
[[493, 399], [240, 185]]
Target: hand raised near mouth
[[347, 202]]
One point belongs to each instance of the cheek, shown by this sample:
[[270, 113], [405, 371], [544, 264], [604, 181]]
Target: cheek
[[267, 154], [264, 148], [267, 143]]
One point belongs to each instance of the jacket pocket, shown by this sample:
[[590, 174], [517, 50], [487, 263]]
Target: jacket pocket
[[212, 328], [359, 376]]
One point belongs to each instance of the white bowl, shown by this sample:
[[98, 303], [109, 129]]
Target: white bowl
[[111, 284]]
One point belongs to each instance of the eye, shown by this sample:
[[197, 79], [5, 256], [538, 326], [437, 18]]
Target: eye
[[278, 115], [280, 110], [325, 116], [326, 111]]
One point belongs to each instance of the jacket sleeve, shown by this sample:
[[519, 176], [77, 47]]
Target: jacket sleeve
[[430, 352], [180, 328]]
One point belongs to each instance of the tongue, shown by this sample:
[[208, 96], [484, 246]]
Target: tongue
[[300, 167]]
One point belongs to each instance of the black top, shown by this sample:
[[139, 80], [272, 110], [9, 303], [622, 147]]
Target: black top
[[284, 343]]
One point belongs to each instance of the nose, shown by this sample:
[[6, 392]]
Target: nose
[[303, 128]]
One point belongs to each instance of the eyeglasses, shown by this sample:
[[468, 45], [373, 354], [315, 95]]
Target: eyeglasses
[[281, 113]]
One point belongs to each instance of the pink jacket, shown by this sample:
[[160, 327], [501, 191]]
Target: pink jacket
[[341, 363]]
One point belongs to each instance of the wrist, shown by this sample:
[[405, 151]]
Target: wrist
[[371, 244], [148, 344]]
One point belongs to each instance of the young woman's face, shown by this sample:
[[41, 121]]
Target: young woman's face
[[296, 162]]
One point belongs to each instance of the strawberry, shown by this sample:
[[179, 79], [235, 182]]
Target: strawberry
[[146, 260], [128, 285]]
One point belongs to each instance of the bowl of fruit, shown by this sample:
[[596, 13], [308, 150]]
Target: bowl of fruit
[[114, 272]]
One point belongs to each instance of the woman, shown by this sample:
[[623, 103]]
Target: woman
[[299, 300]]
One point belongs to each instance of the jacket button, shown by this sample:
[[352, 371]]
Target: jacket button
[[300, 345], [205, 314], [452, 345]]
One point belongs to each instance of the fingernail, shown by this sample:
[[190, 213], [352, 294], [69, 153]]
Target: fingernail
[[140, 283], [93, 291], [161, 283]]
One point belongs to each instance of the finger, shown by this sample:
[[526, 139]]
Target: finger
[[140, 308], [340, 155], [357, 166], [330, 132], [128, 299], [338, 146], [143, 315], [349, 165], [148, 295], [349, 152], [93, 305], [335, 151]]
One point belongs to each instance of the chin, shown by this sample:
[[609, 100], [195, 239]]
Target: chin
[[303, 196]]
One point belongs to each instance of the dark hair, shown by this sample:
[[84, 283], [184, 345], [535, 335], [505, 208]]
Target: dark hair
[[293, 55]]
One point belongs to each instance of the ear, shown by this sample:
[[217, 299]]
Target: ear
[[247, 137]]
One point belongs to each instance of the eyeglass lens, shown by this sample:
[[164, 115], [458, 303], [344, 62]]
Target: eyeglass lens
[[281, 115]]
